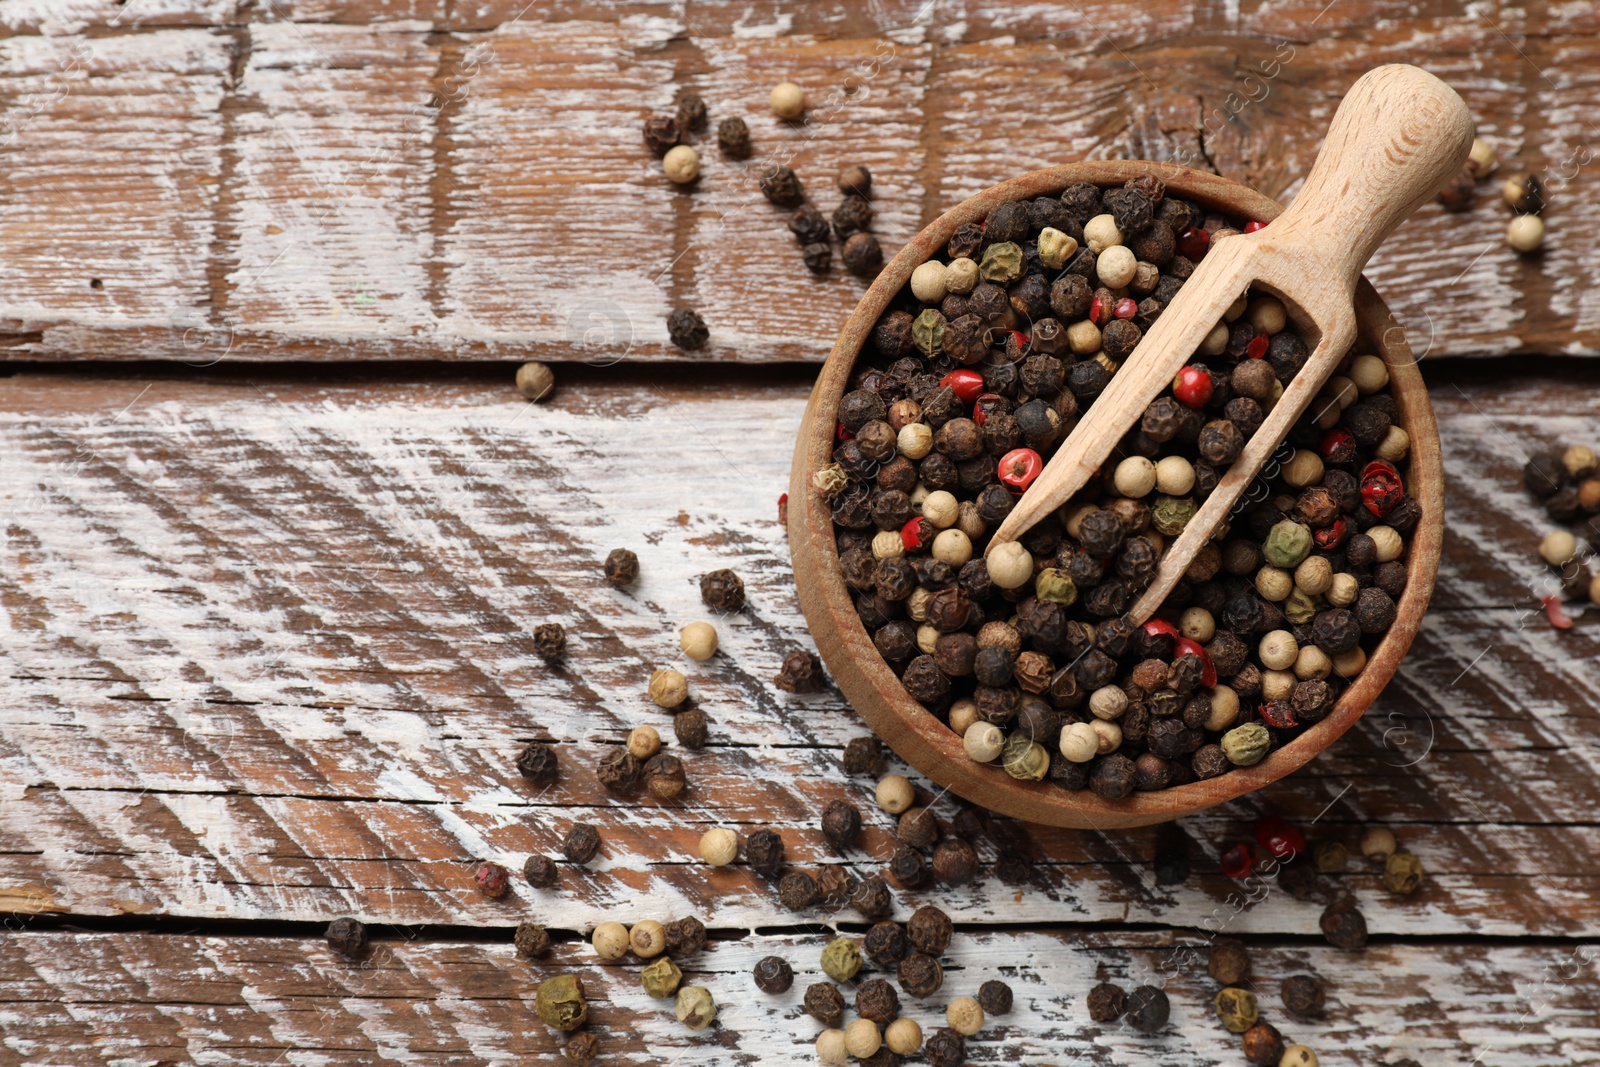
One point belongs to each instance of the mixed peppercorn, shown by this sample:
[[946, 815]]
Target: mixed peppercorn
[[1566, 480], [974, 376]]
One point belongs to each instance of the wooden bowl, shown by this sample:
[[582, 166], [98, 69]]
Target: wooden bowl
[[918, 736]]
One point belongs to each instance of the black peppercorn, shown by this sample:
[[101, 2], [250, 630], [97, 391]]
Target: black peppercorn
[[1147, 1009], [763, 850], [1344, 926], [1220, 442], [531, 939], [995, 997], [818, 257], [863, 755], [841, 823], [855, 180], [1113, 776], [661, 132], [773, 974], [1263, 1045], [722, 590], [908, 867], [955, 862], [920, 975], [691, 110], [685, 936], [1303, 995], [582, 843], [621, 568], [797, 891], [1172, 864], [877, 1000], [929, 930], [925, 682], [582, 1049], [664, 775], [801, 673], [537, 763], [686, 329], [853, 215], [347, 936], [1106, 1002], [863, 255], [824, 1003], [872, 898], [1374, 611], [540, 871], [550, 641], [781, 186], [692, 729], [733, 137], [808, 225], [966, 241], [886, 944], [618, 770]]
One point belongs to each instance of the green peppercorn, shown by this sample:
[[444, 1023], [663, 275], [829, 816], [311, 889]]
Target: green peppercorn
[[841, 959], [1024, 758], [695, 1008], [1330, 857], [927, 332], [1299, 607], [560, 1002], [1288, 544], [1402, 872], [1002, 263], [661, 978], [1169, 514], [1055, 586], [1247, 745], [1236, 1008]]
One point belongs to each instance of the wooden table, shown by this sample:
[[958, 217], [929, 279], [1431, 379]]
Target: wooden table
[[266, 616]]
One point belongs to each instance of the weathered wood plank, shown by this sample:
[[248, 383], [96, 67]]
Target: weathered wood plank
[[266, 655], [84, 998], [418, 180]]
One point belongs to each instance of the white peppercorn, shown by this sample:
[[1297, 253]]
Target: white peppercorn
[[915, 440], [1304, 468], [1277, 684], [862, 1039], [941, 508], [1481, 160], [831, 1050], [903, 1036], [698, 641], [1216, 341], [1267, 314], [887, 544], [1079, 742], [953, 547], [643, 742], [964, 1016], [1278, 649], [1107, 736], [1174, 476], [1558, 548], [1116, 266], [719, 846], [1083, 337], [1387, 544], [1101, 233], [1343, 589], [668, 688], [1311, 662], [648, 939], [1298, 1056], [681, 164], [961, 275], [1369, 373], [1395, 446], [1010, 565], [1314, 576], [963, 713], [983, 742], [1108, 702], [927, 638], [788, 100], [929, 283], [1135, 477], [535, 381], [1197, 624], [1274, 583], [610, 940], [1224, 709], [895, 793], [1526, 233], [1350, 663], [1378, 841]]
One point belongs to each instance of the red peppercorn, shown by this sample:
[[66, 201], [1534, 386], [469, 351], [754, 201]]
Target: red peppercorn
[[966, 384], [1192, 386], [985, 405], [1193, 242], [1338, 446], [1279, 714], [843, 434], [783, 508], [1126, 308], [1238, 861], [1279, 837], [915, 533], [1189, 647], [493, 879], [1099, 313], [1381, 489], [1555, 613], [1020, 338], [1257, 348], [1332, 535], [1019, 467], [1160, 626], [1253, 225]]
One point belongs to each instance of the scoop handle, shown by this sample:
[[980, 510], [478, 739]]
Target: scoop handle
[[1399, 134]]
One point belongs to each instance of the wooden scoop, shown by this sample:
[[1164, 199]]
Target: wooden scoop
[[1398, 135]]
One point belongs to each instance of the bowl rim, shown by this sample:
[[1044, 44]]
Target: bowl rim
[[914, 733]]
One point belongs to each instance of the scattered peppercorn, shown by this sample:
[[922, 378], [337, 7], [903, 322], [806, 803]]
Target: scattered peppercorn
[[1262, 1045], [560, 1002], [841, 823], [531, 939], [886, 944], [773, 974], [863, 756], [797, 891], [763, 851], [1330, 857], [687, 330], [780, 185], [582, 843], [540, 871], [863, 255], [733, 137], [929, 930], [347, 936], [824, 1003], [855, 180], [622, 568], [1106, 1002], [661, 132], [1229, 962], [955, 862], [841, 959], [1236, 1009], [618, 770], [801, 673], [695, 1007], [692, 728], [1344, 926], [722, 590], [872, 898], [685, 936], [537, 763], [661, 978], [1147, 1009], [664, 776], [945, 1048], [493, 879], [691, 110], [995, 997], [535, 381], [1402, 873], [876, 1000], [1303, 995], [920, 975]]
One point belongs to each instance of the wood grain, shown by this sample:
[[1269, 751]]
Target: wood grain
[[265, 650], [382, 179], [86, 998]]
